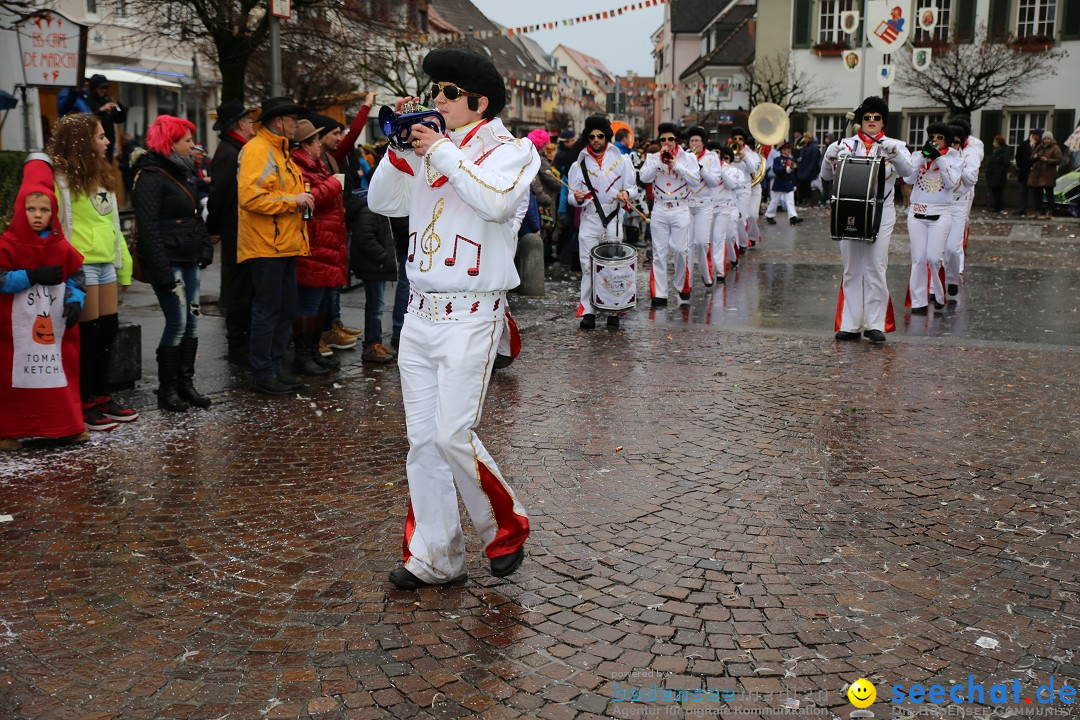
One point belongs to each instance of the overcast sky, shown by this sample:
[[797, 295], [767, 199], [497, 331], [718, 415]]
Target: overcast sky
[[621, 43]]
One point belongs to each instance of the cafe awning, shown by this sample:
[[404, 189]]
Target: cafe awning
[[133, 77]]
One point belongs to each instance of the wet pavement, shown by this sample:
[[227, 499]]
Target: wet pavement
[[723, 499]]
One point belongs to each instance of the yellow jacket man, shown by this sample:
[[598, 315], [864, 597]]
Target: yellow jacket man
[[271, 233]]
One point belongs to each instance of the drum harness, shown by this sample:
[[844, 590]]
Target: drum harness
[[880, 152], [605, 220]]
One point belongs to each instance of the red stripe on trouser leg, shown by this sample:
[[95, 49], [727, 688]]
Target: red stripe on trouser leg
[[709, 265], [652, 283], [410, 528], [941, 276], [580, 310], [839, 309], [890, 318], [686, 278], [515, 335], [511, 529], [967, 234]]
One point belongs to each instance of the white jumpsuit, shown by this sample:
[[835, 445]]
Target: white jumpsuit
[[613, 173], [670, 218], [864, 293], [461, 199]]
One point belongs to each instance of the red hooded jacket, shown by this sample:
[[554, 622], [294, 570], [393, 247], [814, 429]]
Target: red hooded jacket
[[39, 356], [327, 238]]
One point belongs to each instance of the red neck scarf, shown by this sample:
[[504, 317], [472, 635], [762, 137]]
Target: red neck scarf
[[598, 158], [869, 141], [236, 136], [442, 179]]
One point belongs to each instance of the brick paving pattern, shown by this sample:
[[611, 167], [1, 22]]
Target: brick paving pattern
[[754, 510]]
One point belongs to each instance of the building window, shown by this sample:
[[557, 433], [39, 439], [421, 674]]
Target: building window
[[829, 125], [91, 6], [1022, 123], [940, 33], [916, 135], [1036, 17], [829, 30]]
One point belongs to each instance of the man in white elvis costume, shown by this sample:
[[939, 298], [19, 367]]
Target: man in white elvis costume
[[864, 307], [971, 151], [613, 184], [732, 193], [703, 205], [462, 193], [748, 162], [674, 174]]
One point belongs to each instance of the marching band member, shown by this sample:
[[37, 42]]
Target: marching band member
[[733, 190], [740, 241], [749, 162], [935, 177], [702, 205], [462, 193], [971, 152], [783, 185], [601, 182], [864, 305], [673, 174]]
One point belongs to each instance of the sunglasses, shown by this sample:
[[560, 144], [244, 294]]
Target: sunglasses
[[597, 136], [450, 91], [937, 137], [667, 139], [871, 118]]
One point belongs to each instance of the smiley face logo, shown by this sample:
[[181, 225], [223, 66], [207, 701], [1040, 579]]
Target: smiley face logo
[[862, 693]]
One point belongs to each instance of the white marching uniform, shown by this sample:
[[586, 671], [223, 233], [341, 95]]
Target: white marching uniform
[[749, 165], [727, 218], [963, 196], [743, 198], [461, 199], [670, 218], [613, 174], [702, 212], [864, 288], [929, 222]]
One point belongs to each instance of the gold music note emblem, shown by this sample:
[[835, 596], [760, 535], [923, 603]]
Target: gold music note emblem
[[429, 241]]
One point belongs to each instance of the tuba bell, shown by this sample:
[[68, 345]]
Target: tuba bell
[[768, 123], [398, 127]]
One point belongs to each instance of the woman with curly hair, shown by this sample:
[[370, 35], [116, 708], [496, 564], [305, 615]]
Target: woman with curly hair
[[89, 215], [174, 246]]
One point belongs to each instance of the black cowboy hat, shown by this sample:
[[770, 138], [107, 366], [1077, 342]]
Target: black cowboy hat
[[229, 113], [278, 106]]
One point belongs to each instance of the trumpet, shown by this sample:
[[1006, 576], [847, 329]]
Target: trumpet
[[398, 127]]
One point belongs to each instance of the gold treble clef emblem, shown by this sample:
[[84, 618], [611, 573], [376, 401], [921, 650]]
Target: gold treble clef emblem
[[429, 241]]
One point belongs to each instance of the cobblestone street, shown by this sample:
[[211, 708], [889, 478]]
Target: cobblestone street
[[722, 498]]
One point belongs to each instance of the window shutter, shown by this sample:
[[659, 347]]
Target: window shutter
[[1064, 122], [1070, 21], [989, 126], [965, 20], [998, 25], [803, 24]]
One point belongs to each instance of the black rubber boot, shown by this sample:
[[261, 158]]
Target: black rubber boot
[[168, 363], [305, 346], [185, 381]]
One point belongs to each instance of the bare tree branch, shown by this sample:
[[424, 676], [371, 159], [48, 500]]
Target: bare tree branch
[[967, 76], [773, 80], [12, 12]]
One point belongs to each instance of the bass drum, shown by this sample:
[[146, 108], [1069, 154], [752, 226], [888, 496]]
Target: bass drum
[[858, 199]]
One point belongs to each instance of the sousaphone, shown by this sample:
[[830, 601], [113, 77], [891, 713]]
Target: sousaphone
[[769, 124]]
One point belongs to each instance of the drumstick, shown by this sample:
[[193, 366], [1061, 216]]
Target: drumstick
[[642, 215]]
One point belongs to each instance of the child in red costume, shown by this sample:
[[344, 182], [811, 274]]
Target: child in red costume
[[41, 296]]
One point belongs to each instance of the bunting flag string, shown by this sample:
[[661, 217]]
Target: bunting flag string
[[551, 25]]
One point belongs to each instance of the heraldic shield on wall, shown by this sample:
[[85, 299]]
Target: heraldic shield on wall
[[888, 23]]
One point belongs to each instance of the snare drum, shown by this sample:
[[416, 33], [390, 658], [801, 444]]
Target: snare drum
[[858, 199], [614, 276]]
